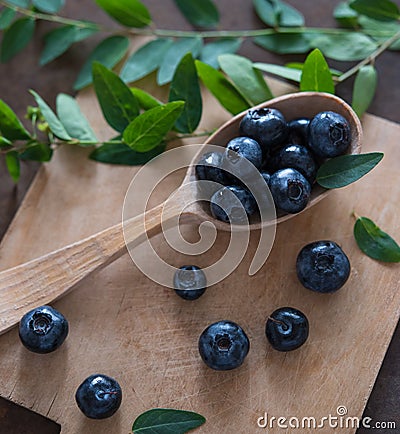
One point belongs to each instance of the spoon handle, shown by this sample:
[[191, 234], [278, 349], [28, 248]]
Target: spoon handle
[[51, 276]]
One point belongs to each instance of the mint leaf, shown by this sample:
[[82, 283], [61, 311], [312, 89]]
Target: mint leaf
[[117, 102], [130, 13], [149, 129], [211, 51], [16, 38], [167, 421], [346, 169], [276, 13], [10, 126], [374, 242], [345, 15], [185, 87], [248, 80], [364, 89], [286, 43], [119, 153], [316, 75], [13, 166], [281, 71], [6, 17], [48, 6], [225, 92], [145, 60], [109, 52], [55, 124], [74, 121], [202, 13], [382, 10], [145, 100], [57, 41], [37, 152]]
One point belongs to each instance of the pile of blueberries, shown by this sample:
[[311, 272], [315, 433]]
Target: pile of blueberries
[[287, 155]]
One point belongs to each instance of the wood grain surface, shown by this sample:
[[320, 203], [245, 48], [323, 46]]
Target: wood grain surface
[[124, 325]]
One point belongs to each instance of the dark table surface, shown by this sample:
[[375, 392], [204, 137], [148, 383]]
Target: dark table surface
[[23, 73]]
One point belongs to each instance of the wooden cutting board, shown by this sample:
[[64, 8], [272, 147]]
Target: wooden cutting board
[[125, 326]]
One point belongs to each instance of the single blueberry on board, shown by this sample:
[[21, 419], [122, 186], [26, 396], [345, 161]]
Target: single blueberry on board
[[99, 396], [43, 330], [329, 134], [190, 282], [287, 329], [322, 266], [290, 190], [223, 345]]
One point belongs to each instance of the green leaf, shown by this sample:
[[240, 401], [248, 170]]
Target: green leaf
[[316, 75], [10, 125], [16, 38], [6, 17], [364, 89], [37, 152], [347, 46], [48, 6], [149, 129], [74, 121], [130, 13], [382, 10], [4, 143], [202, 13], [346, 169], [276, 13], [57, 41], [13, 166], [281, 71], [109, 52], [185, 87], [248, 80], [119, 153], [166, 421], [145, 60], [387, 29], [225, 92], [20, 3], [55, 124], [345, 15], [300, 66], [286, 43], [145, 100], [174, 55], [374, 242], [211, 51], [117, 102]]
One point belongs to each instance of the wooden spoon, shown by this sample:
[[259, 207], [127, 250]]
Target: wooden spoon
[[51, 276]]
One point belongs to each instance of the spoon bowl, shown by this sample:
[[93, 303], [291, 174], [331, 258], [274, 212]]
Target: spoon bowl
[[45, 279]]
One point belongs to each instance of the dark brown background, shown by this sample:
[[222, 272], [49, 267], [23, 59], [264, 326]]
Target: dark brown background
[[23, 73]]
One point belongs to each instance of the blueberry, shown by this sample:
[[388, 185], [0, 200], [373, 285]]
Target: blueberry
[[322, 266], [190, 282], [290, 190], [209, 168], [286, 329], [99, 396], [244, 147], [43, 330], [329, 134], [266, 176], [298, 131], [223, 345], [297, 157], [265, 125], [224, 206]]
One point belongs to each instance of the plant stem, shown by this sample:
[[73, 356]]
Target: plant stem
[[189, 136], [386, 44], [182, 33]]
